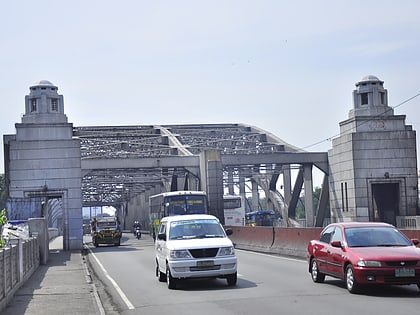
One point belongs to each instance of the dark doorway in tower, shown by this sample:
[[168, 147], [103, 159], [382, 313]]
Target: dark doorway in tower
[[385, 202]]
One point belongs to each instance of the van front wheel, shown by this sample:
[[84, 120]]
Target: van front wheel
[[231, 279], [161, 276], [169, 279]]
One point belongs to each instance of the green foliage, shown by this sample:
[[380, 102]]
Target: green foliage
[[3, 197], [300, 208], [300, 211], [3, 217], [3, 221], [3, 214]]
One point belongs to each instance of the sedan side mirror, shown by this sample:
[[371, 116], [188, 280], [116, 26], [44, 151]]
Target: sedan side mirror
[[336, 244], [229, 232]]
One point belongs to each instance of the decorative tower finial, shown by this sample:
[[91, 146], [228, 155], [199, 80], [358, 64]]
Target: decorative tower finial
[[44, 104], [370, 98]]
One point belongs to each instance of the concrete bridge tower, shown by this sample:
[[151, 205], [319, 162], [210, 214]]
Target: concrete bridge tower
[[373, 163], [42, 163]]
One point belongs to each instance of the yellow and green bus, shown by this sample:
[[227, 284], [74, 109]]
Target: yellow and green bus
[[175, 203]]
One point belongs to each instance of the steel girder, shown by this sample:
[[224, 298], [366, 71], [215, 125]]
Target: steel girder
[[120, 162]]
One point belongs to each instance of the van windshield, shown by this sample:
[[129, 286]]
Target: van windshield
[[202, 228]]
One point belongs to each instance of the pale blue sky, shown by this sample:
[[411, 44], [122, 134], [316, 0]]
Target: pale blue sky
[[288, 67]]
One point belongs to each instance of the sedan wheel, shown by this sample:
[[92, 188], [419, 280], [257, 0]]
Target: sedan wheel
[[317, 276], [351, 283]]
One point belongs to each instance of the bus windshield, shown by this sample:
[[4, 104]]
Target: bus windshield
[[175, 203], [185, 204]]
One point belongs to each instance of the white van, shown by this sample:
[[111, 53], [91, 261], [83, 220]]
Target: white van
[[194, 246]]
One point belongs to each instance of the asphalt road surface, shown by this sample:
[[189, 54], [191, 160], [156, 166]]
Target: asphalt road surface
[[267, 284]]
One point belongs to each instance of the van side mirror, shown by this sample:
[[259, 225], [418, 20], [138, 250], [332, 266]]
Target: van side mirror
[[161, 236], [229, 232]]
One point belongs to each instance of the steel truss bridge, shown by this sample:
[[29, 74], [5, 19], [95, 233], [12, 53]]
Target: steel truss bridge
[[121, 162]]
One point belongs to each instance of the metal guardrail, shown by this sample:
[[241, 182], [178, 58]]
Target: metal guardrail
[[17, 263], [402, 222], [408, 222]]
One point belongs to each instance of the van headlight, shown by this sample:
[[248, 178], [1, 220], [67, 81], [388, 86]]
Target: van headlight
[[178, 254], [226, 251]]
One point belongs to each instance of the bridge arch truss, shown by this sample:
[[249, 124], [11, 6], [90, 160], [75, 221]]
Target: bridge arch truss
[[121, 163]]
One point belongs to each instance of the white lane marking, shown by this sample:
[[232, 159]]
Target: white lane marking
[[273, 256], [127, 302], [95, 291], [98, 301]]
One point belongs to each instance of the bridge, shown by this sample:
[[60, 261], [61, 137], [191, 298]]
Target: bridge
[[121, 162], [53, 169]]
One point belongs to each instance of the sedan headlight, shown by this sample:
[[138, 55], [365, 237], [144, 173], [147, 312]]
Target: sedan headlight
[[369, 263], [178, 254], [227, 251]]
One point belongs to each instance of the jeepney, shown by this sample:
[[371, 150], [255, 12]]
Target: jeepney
[[106, 230]]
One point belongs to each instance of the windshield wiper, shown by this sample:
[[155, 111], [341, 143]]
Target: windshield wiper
[[390, 245], [207, 236], [177, 237]]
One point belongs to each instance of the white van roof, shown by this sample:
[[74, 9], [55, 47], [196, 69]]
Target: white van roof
[[189, 217]]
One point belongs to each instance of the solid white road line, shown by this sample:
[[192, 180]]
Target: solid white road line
[[127, 302], [273, 256]]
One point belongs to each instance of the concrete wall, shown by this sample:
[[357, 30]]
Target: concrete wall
[[17, 263], [44, 160], [283, 241], [375, 149], [50, 169]]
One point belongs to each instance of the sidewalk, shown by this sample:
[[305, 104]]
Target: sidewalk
[[62, 286]]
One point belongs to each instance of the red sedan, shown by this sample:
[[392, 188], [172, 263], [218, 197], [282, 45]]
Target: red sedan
[[364, 253]]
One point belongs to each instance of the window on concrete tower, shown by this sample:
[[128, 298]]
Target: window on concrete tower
[[33, 105], [364, 100], [54, 105], [382, 96]]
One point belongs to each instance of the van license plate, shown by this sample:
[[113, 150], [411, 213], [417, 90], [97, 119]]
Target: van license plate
[[205, 263], [403, 272]]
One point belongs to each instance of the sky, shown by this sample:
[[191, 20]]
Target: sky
[[288, 67]]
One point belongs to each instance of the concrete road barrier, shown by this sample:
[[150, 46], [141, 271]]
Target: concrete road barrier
[[253, 238], [283, 241]]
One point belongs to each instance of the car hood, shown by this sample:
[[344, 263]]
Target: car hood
[[388, 253], [199, 243]]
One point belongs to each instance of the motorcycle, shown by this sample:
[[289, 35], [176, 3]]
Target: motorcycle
[[138, 232]]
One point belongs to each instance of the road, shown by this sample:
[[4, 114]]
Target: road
[[267, 284]]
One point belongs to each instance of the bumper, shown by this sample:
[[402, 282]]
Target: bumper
[[203, 268], [107, 238], [385, 276]]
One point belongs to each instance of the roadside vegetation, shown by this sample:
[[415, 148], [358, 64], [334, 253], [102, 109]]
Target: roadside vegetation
[[3, 215], [3, 197], [3, 221]]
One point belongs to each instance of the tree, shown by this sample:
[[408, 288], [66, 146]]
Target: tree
[[3, 221], [300, 208], [3, 196], [316, 196]]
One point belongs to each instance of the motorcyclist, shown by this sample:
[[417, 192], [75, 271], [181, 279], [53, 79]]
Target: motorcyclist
[[93, 225], [135, 226]]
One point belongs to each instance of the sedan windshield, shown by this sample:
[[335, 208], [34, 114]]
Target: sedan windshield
[[195, 229], [375, 236]]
